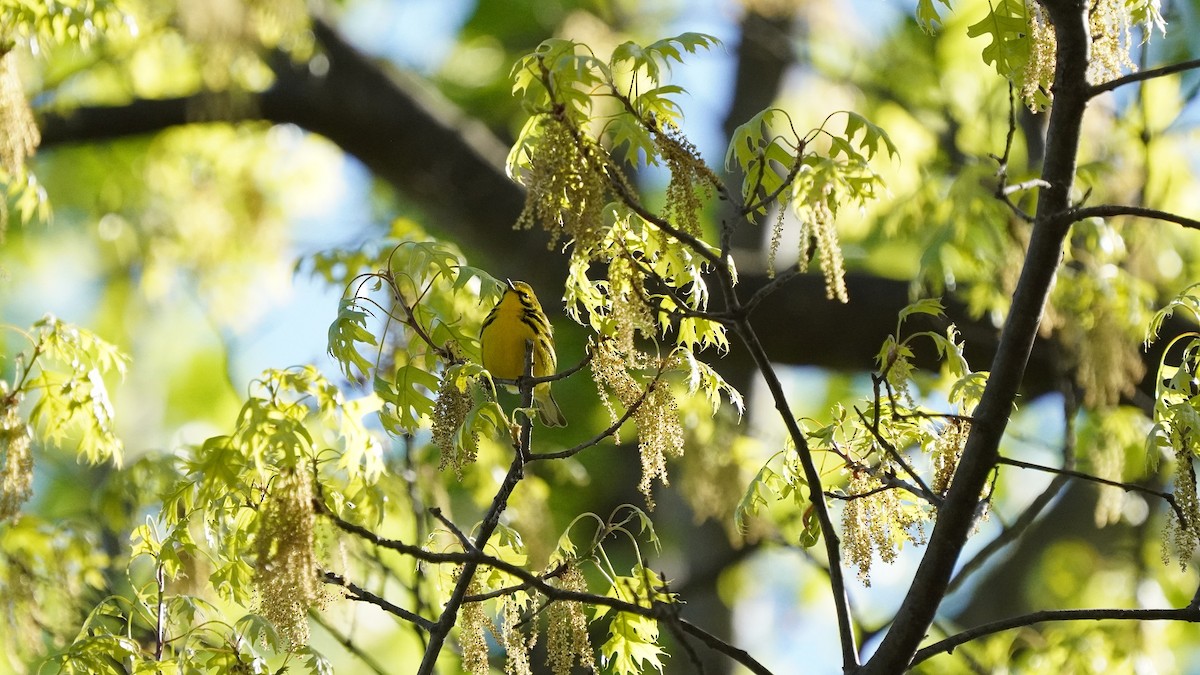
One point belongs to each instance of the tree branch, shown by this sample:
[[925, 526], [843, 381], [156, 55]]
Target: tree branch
[[491, 520], [837, 583], [356, 592], [1098, 89], [612, 428], [427, 140], [1128, 487], [1031, 512], [1113, 210], [1189, 614], [957, 514]]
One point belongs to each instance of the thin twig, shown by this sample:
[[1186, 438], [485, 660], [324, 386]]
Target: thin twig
[[523, 586], [770, 287], [1025, 185], [491, 520], [717, 644], [454, 529], [925, 493], [1003, 190], [561, 375], [1128, 487], [860, 495], [972, 663], [612, 428], [1113, 210], [793, 171], [948, 645], [702, 249], [829, 534], [356, 592], [1098, 89]]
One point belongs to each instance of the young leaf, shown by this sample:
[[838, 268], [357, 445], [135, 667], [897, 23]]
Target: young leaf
[[349, 328], [927, 15], [929, 306], [1007, 24]]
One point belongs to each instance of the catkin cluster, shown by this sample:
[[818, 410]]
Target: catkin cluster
[[473, 626], [517, 645], [566, 186], [823, 230], [19, 135], [1108, 462], [691, 179], [450, 410], [876, 521], [1182, 535], [817, 227], [1109, 362], [946, 450], [660, 433], [286, 578], [16, 476], [629, 310], [567, 641], [1039, 68], [1109, 27]]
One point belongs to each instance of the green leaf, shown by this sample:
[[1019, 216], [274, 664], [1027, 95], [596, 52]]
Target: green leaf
[[409, 395], [928, 306], [765, 483], [71, 397], [967, 390], [348, 329], [749, 140], [873, 136], [1188, 299], [811, 534], [632, 646], [628, 132], [1007, 24], [234, 581], [704, 378], [927, 15]]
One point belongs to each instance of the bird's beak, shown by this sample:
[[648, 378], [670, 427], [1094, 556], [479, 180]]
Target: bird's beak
[[510, 284]]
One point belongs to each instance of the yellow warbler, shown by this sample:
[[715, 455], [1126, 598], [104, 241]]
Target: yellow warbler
[[518, 318]]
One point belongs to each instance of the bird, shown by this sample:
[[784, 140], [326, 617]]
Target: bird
[[517, 318]]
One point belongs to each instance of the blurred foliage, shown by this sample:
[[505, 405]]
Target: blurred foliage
[[157, 512]]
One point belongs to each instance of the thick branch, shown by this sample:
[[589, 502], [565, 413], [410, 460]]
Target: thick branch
[[406, 134], [957, 514]]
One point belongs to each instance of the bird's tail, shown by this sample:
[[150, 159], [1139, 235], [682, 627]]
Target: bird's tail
[[548, 410]]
